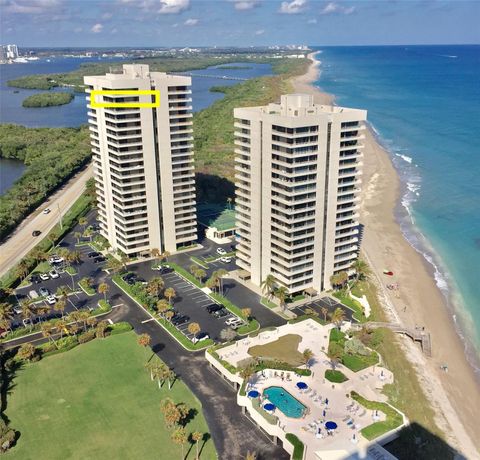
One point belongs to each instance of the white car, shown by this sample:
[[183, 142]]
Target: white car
[[17, 310], [221, 251], [44, 276], [200, 337], [55, 259], [53, 274], [226, 259], [33, 294], [51, 300], [232, 320], [47, 211]]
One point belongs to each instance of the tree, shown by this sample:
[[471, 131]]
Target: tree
[[88, 233], [155, 253], [281, 294], [162, 307], [26, 352], [28, 311], [338, 280], [335, 352], [165, 255], [169, 315], [155, 286], [193, 269], [246, 313], [307, 356], [218, 275], [113, 265], [246, 372], [268, 286], [74, 257], [170, 376], [83, 222], [101, 328], [61, 326], [200, 274], [144, 340], [22, 269], [62, 292], [7, 436], [196, 438], [170, 411], [47, 331], [170, 294], [60, 306], [194, 328], [362, 270], [227, 334], [338, 316], [324, 311], [211, 283], [6, 312], [77, 235], [103, 288], [179, 436]]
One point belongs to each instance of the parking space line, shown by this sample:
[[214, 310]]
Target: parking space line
[[148, 320]]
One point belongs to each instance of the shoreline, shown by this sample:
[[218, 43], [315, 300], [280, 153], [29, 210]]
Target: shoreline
[[454, 395]]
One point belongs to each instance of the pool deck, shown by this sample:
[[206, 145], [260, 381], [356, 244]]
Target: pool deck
[[341, 409]]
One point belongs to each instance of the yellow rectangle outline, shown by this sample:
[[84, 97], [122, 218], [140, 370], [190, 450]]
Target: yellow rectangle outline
[[136, 92]]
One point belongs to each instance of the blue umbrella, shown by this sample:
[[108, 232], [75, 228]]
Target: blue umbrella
[[330, 425], [253, 394], [302, 385], [269, 407]]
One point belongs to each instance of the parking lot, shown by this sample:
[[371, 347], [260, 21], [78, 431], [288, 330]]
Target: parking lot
[[193, 302], [325, 302]]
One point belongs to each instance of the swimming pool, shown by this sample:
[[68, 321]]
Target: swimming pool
[[285, 402]]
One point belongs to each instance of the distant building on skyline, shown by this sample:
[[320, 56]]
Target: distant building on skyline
[[143, 162], [297, 171], [8, 52]]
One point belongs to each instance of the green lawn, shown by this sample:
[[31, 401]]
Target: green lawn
[[335, 376], [96, 401], [284, 349]]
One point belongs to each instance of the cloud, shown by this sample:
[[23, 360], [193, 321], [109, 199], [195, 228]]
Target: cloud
[[159, 6], [293, 7], [259, 32], [97, 28], [191, 22], [29, 6], [312, 21], [335, 8], [242, 5]]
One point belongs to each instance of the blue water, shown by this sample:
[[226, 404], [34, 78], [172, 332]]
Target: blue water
[[284, 401], [75, 114], [424, 103]]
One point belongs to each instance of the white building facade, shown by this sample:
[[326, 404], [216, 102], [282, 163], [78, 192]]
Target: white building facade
[[143, 161], [298, 168]]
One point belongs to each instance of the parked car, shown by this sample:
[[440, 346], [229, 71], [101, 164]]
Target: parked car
[[51, 300], [54, 259], [33, 294], [36, 233], [92, 254], [221, 251], [226, 259], [44, 276], [213, 308], [163, 269], [47, 211], [232, 320], [220, 313], [35, 279], [180, 319], [99, 260], [200, 337], [17, 310], [27, 322], [44, 292], [53, 274], [236, 324], [96, 227]]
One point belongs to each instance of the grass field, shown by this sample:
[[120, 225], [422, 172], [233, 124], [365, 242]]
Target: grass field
[[97, 401], [284, 349]]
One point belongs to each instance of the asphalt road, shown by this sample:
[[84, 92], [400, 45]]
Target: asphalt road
[[21, 241]]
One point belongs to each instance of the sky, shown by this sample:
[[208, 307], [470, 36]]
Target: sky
[[151, 23]]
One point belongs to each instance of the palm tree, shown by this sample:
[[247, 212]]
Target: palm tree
[[170, 294], [169, 315], [77, 235], [83, 222], [179, 436], [113, 265], [362, 270], [62, 292], [335, 353], [165, 255], [196, 438], [227, 334], [268, 286], [338, 316], [193, 269], [281, 294], [218, 275], [74, 257], [246, 313], [61, 326], [22, 269], [338, 280], [170, 376], [194, 328], [162, 307], [200, 274], [103, 288], [60, 306], [229, 202], [26, 352], [47, 331], [307, 356], [155, 253], [211, 283], [155, 286], [324, 311], [246, 373], [88, 233], [6, 312], [144, 340], [28, 311], [100, 329]]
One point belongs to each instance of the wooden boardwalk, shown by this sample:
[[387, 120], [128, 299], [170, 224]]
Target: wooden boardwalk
[[417, 335]]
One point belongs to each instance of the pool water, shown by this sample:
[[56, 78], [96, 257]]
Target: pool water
[[285, 402]]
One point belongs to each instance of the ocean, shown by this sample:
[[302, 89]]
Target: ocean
[[423, 103]]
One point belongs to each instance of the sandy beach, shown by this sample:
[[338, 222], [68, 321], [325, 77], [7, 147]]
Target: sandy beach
[[455, 395]]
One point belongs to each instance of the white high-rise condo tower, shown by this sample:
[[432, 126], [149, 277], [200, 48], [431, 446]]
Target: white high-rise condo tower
[[143, 161], [297, 171]]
